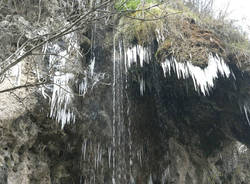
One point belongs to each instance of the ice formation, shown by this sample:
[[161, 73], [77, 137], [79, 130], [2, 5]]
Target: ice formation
[[114, 103], [63, 64], [92, 67], [142, 85], [62, 94], [16, 72], [165, 176], [136, 54], [241, 148], [132, 180], [150, 181], [61, 99], [203, 79], [246, 112], [83, 86]]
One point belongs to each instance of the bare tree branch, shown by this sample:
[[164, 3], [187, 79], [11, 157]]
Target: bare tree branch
[[23, 86], [66, 30]]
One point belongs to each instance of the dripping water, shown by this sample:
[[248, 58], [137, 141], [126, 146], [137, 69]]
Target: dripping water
[[118, 126], [114, 113]]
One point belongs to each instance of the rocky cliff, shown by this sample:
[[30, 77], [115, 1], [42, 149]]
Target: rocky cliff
[[102, 95]]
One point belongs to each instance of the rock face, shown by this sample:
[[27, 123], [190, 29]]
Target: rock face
[[132, 124]]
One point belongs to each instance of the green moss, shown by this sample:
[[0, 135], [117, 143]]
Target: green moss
[[131, 4], [137, 27]]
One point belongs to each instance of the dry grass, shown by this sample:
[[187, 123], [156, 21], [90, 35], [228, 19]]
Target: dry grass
[[188, 35]]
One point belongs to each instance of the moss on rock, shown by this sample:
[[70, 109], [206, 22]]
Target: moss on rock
[[180, 33]]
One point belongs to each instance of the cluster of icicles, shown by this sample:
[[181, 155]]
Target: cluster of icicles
[[137, 54], [64, 61], [62, 94], [93, 152], [203, 78]]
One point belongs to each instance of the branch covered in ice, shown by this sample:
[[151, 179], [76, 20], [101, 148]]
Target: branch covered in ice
[[203, 79]]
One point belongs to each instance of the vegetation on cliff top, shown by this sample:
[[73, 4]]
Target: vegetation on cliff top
[[183, 32]]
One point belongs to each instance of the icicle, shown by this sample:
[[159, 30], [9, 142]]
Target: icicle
[[45, 95], [150, 181], [114, 113], [19, 73], [95, 159], [137, 51], [109, 156], [164, 177], [141, 54], [83, 86], [61, 98], [246, 111], [100, 156], [203, 79], [139, 156], [142, 86], [241, 148], [159, 36], [113, 180], [84, 149], [62, 94], [130, 139], [92, 67], [126, 64], [132, 180]]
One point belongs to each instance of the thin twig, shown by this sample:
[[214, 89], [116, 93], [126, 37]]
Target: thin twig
[[23, 86], [152, 19]]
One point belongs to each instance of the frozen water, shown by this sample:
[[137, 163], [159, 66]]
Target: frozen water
[[142, 86], [114, 112], [203, 79], [246, 111], [62, 94], [109, 156], [92, 67], [137, 52], [241, 147], [132, 180], [16, 72], [83, 86], [150, 181]]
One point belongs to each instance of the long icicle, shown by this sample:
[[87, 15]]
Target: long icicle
[[114, 114]]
